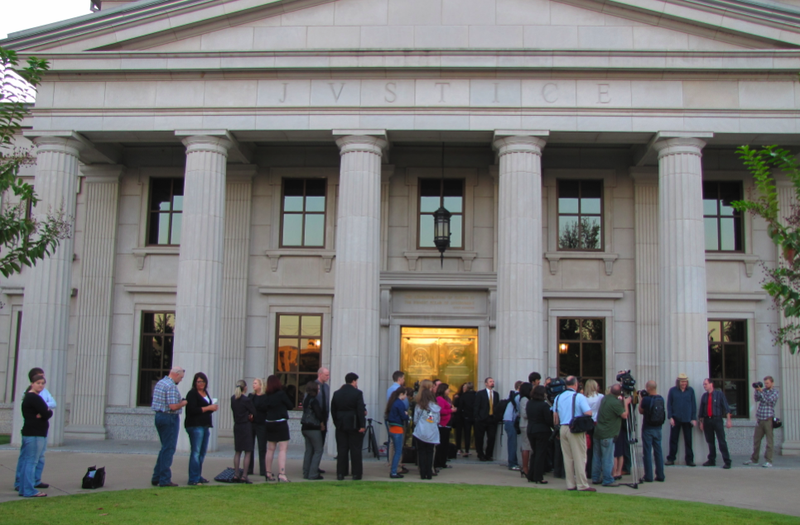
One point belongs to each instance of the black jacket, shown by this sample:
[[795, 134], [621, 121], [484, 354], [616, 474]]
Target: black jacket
[[242, 408], [259, 403], [466, 405], [33, 404], [481, 411], [195, 417], [277, 405], [540, 418], [348, 409], [311, 403]]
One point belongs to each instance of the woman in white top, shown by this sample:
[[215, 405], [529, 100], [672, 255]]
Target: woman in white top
[[593, 396]]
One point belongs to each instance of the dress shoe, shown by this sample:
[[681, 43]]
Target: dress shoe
[[396, 476], [314, 479], [661, 480], [41, 486], [611, 485], [489, 458], [573, 488], [403, 470], [709, 464], [482, 458], [690, 464], [204, 480], [543, 482], [592, 489], [356, 478], [168, 484], [726, 466], [321, 471], [669, 463], [597, 482], [340, 478], [154, 483]]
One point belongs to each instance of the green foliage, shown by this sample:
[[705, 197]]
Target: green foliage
[[370, 503], [24, 239], [783, 282]]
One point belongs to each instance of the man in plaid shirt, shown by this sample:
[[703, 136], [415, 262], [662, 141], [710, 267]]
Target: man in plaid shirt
[[766, 397], [167, 405]]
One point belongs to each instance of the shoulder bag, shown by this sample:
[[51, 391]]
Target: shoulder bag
[[581, 423]]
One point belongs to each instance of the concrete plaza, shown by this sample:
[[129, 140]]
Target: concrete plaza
[[129, 465]]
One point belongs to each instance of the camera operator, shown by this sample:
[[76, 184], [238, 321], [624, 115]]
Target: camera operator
[[766, 396], [652, 407], [613, 409]]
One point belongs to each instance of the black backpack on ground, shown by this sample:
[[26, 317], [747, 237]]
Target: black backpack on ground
[[657, 413]]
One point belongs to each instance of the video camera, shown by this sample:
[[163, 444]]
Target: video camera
[[758, 384], [557, 386], [627, 381]]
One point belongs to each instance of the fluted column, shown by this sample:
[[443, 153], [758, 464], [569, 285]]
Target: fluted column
[[645, 205], [682, 271], [789, 380], [198, 309], [87, 414], [356, 302], [519, 260], [234, 289], [48, 285]]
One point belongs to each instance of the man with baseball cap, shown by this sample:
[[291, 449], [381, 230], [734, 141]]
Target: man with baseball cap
[[682, 414]]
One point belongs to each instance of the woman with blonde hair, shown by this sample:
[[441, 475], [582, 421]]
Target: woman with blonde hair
[[243, 414], [259, 427], [594, 396]]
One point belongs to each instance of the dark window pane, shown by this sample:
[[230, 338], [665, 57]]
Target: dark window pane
[[160, 194], [737, 396], [302, 382], [592, 329], [293, 187], [735, 362], [592, 360], [293, 229], [729, 192], [715, 361], [430, 188], [570, 363], [591, 189], [309, 356], [148, 323], [453, 188], [315, 187], [147, 383], [568, 329], [734, 331]]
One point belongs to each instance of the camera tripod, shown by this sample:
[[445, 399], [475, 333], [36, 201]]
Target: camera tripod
[[372, 441], [632, 432]]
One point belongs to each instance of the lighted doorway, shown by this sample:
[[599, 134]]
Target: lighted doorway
[[449, 354]]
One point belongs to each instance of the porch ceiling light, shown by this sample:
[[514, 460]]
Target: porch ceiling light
[[441, 231]]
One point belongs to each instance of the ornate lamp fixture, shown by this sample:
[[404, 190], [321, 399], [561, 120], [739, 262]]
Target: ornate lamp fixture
[[441, 223]]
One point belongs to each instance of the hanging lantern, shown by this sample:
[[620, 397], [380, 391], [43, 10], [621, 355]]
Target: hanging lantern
[[562, 348], [441, 231]]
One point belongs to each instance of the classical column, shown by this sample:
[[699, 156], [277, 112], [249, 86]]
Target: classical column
[[789, 380], [234, 289], [519, 348], [198, 309], [48, 285], [87, 413], [356, 302], [682, 271], [645, 205]]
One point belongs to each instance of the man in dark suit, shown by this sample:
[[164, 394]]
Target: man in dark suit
[[349, 415], [486, 402], [324, 397]]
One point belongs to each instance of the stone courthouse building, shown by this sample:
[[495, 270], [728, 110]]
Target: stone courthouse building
[[585, 150]]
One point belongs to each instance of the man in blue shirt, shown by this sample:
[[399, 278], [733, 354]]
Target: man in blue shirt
[[399, 380], [682, 414], [167, 405], [573, 446]]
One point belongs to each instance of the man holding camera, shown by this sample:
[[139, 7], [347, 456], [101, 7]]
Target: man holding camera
[[654, 412], [766, 396], [573, 446], [713, 407], [682, 413]]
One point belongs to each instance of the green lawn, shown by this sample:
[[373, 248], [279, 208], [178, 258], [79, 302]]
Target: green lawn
[[373, 503]]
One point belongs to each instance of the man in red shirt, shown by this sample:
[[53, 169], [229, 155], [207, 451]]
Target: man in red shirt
[[713, 407]]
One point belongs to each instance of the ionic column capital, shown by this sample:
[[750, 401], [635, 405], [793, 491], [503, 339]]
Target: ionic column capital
[[208, 143], [365, 143], [67, 142], [519, 142], [674, 143]]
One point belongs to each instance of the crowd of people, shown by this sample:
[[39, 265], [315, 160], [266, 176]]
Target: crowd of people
[[562, 426]]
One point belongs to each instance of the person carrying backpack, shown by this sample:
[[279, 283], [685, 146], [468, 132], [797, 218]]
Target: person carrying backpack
[[653, 408]]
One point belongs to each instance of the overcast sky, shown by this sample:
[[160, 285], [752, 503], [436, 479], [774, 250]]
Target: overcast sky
[[17, 15]]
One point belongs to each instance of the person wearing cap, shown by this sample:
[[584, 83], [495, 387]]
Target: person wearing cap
[[682, 414]]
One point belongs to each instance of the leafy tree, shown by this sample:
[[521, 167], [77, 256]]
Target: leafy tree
[[24, 239], [782, 283], [583, 234]]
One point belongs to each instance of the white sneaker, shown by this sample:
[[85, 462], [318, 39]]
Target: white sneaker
[[767, 464], [749, 462]]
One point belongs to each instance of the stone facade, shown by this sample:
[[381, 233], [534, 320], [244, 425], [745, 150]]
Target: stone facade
[[508, 98]]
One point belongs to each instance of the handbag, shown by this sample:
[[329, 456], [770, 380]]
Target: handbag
[[94, 478], [776, 422], [309, 418], [581, 423]]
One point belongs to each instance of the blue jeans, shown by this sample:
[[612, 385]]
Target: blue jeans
[[39, 469], [603, 461], [167, 426], [30, 454], [198, 439], [512, 443], [397, 442], [651, 445]]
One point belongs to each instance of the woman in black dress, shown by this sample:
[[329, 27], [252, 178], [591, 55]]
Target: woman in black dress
[[243, 412], [466, 408], [259, 427], [277, 405], [540, 427]]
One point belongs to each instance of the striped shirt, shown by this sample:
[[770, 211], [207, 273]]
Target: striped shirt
[[165, 394], [766, 403]]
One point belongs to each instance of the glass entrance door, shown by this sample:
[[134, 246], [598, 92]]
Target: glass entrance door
[[449, 354]]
